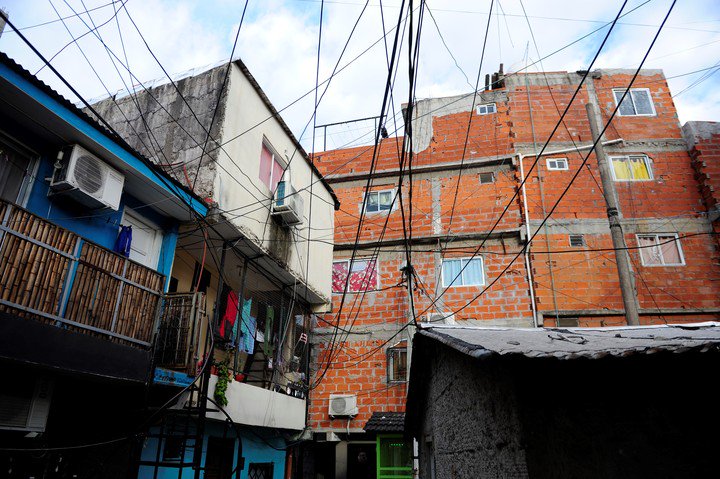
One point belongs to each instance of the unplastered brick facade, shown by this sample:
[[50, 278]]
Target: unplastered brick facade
[[462, 181]]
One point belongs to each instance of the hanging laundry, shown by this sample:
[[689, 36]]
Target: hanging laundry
[[123, 241], [248, 328], [229, 318], [269, 319]]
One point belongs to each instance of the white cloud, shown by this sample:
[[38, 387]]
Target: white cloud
[[278, 42]]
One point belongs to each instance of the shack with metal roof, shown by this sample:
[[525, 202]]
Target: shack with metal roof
[[564, 402]]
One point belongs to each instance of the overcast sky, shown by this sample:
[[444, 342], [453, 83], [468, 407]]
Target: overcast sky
[[278, 42]]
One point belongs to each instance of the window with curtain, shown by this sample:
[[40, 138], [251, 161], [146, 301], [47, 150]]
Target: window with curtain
[[271, 170], [362, 273], [631, 168], [463, 272], [379, 201], [397, 364], [637, 102], [660, 250]]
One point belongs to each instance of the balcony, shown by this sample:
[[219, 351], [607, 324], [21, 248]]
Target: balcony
[[60, 288]]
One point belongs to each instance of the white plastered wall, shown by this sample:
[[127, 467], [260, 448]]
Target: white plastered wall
[[245, 109]]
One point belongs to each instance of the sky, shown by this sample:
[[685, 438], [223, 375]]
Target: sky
[[278, 41]]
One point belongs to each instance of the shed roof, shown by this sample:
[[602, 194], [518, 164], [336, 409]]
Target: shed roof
[[573, 343], [386, 421]]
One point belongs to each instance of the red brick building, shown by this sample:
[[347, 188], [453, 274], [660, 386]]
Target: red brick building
[[470, 217]]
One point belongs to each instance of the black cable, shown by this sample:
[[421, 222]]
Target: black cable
[[562, 195], [220, 94], [372, 164], [69, 43], [539, 155], [470, 117]]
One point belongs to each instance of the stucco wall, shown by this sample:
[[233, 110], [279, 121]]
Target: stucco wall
[[470, 424], [248, 206]]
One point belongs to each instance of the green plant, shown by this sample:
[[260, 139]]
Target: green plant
[[224, 378]]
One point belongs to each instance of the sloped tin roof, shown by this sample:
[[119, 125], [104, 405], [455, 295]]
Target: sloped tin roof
[[573, 343], [386, 422]]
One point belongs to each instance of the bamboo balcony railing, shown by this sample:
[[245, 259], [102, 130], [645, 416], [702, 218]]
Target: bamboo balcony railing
[[53, 275]]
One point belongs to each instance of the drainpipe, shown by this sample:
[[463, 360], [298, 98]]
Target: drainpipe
[[520, 158], [533, 305]]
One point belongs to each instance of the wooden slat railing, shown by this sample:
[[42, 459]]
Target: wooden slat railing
[[52, 274]]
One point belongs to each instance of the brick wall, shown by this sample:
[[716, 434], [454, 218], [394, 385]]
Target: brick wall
[[586, 288]]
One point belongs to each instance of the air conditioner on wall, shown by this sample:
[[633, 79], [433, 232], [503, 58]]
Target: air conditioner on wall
[[342, 405], [287, 206], [84, 177], [26, 411]]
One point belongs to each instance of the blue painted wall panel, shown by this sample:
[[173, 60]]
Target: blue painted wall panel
[[96, 135], [254, 449], [101, 227], [98, 226]]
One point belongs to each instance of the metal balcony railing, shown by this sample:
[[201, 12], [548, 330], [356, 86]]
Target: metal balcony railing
[[51, 274], [177, 341]]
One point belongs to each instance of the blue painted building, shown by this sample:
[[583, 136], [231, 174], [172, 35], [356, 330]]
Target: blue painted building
[[88, 233]]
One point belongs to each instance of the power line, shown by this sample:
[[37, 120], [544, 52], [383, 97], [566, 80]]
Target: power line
[[539, 155], [567, 188]]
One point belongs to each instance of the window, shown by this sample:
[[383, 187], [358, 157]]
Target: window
[[557, 164], [397, 364], [636, 103], [379, 201], [363, 275], [271, 169], [486, 109], [260, 470], [463, 272], [631, 168], [173, 448], [486, 178], [660, 250], [577, 241], [16, 173]]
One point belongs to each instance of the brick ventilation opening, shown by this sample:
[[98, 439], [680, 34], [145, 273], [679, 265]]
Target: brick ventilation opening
[[487, 178], [577, 241]]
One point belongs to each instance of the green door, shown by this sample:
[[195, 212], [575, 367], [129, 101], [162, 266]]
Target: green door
[[394, 457]]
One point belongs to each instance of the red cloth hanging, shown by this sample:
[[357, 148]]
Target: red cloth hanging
[[230, 315]]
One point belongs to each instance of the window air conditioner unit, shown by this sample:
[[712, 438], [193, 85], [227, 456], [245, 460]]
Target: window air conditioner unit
[[342, 405], [28, 410], [87, 179], [441, 318], [288, 206]]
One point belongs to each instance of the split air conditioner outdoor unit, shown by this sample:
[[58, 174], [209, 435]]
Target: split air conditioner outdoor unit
[[342, 405], [26, 409], [84, 177], [288, 206]]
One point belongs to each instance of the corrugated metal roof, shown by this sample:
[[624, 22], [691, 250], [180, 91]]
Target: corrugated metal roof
[[572, 343], [386, 422]]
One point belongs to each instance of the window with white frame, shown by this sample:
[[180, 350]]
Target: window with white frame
[[557, 164], [463, 272], [662, 249], [271, 168], [379, 201], [362, 273], [631, 168], [637, 102], [486, 109], [397, 363]]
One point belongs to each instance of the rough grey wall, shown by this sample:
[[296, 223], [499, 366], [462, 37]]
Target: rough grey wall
[[471, 419], [642, 416], [160, 125]]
